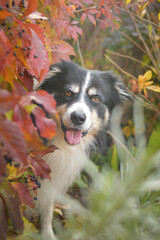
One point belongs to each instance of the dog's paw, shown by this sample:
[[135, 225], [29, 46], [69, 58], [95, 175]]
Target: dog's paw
[[48, 235]]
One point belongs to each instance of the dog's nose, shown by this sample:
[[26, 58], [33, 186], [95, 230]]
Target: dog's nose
[[78, 118]]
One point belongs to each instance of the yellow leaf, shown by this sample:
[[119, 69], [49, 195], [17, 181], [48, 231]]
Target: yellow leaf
[[9, 115], [129, 129], [159, 16], [154, 88], [13, 172], [29, 108], [128, 1], [148, 83], [59, 211], [148, 75]]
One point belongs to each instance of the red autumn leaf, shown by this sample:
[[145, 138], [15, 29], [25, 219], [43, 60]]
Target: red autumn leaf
[[56, 3], [39, 166], [3, 220], [7, 101], [5, 46], [18, 88], [39, 31], [4, 2], [61, 50], [47, 2], [11, 201], [88, 2], [38, 57], [41, 98], [44, 71], [98, 14], [92, 19], [101, 3], [3, 166], [27, 80], [47, 150], [32, 6], [83, 17], [23, 194], [46, 126], [23, 120], [73, 31], [93, 11], [13, 141]]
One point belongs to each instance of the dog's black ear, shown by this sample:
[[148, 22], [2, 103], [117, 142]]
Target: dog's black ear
[[53, 70], [122, 90], [51, 79]]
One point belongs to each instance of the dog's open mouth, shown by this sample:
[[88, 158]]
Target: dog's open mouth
[[72, 136]]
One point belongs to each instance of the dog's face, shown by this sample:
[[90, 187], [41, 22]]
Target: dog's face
[[85, 99]]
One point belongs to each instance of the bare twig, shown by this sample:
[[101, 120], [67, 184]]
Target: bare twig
[[146, 103], [144, 43], [129, 57], [129, 38], [155, 40], [135, 15], [80, 53], [117, 66], [151, 37]]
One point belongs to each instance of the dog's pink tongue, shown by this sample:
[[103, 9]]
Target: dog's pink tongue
[[73, 137]]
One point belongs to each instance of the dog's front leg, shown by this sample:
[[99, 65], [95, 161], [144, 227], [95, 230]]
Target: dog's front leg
[[46, 215]]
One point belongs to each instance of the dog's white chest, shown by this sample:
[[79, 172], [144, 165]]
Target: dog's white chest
[[66, 163]]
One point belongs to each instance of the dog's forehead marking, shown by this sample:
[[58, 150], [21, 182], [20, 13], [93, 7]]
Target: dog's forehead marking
[[75, 88], [86, 84], [92, 91]]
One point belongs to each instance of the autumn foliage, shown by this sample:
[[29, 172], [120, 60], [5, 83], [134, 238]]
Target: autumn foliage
[[33, 35]]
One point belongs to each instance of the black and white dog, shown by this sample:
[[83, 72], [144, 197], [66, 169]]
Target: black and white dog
[[85, 99]]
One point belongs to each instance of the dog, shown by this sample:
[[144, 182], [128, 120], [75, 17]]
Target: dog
[[85, 100]]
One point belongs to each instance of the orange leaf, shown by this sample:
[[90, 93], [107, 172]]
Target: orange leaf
[[4, 14], [9, 74], [32, 6], [61, 50]]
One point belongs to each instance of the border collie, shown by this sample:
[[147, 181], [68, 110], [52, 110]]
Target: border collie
[[85, 99]]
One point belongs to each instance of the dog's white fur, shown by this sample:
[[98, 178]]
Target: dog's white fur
[[65, 163]]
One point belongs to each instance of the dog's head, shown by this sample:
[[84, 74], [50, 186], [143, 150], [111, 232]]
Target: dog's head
[[85, 99]]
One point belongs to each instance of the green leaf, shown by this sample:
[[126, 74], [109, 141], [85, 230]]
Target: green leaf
[[154, 141], [114, 160]]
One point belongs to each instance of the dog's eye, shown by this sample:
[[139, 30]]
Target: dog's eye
[[95, 99], [68, 93]]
